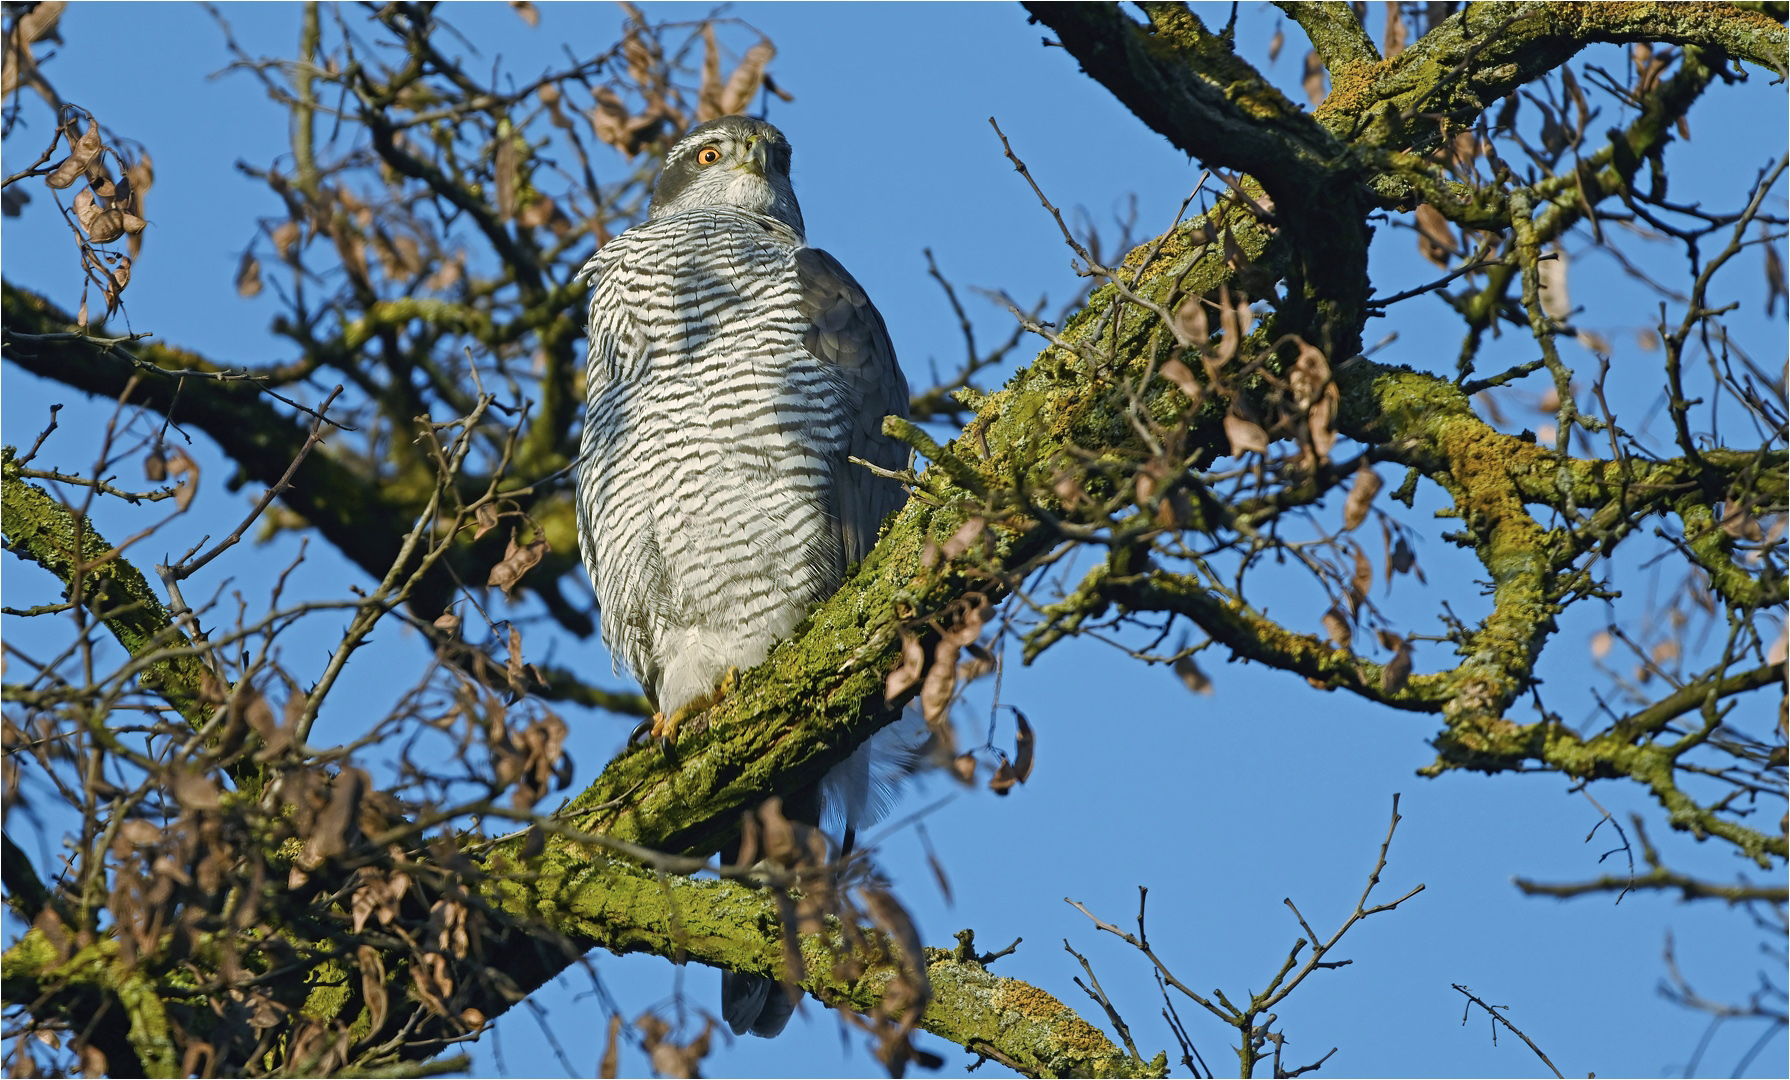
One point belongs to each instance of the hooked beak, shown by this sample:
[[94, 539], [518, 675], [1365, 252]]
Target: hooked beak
[[758, 157]]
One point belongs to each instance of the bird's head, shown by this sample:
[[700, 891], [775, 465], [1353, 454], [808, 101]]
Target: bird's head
[[733, 161]]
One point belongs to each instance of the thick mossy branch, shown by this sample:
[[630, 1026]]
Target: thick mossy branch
[[605, 903], [1342, 43], [590, 900], [1188, 85], [40, 528], [93, 987], [1483, 52]]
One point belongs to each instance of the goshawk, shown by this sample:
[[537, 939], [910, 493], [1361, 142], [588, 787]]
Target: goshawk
[[733, 371]]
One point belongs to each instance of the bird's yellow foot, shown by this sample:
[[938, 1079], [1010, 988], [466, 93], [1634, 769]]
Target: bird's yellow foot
[[665, 728]]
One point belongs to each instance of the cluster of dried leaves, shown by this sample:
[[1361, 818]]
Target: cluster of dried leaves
[[218, 851], [104, 210]]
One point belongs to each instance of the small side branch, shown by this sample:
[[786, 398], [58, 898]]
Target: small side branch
[[1498, 1017]]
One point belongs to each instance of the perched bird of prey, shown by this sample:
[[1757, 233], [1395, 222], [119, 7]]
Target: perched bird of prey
[[733, 371]]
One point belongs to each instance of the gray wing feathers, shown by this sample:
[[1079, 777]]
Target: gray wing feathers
[[846, 330]]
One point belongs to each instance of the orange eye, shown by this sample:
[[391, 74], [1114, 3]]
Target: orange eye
[[708, 155]]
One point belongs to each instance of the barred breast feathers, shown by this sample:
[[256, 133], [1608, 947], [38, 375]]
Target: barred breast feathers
[[716, 501]]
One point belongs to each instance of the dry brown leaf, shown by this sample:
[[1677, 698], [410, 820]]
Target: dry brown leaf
[[1234, 316], [1774, 275], [1313, 79], [1190, 325], [1600, 644], [1144, 485], [670, 1059], [136, 832], [485, 519], [1182, 376], [448, 624], [195, 790], [1337, 626], [1317, 397], [1361, 582], [1553, 135], [338, 824], [352, 250], [106, 226], [526, 11], [939, 684], [1276, 43], [1402, 559], [1398, 669], [913, 660], [506, 174], [743, 84], [1361, 495], [1003, 779], [1244, 435], [537, 213], [967, 533], [81, 154], [372, 987], [609, 119], [1739, 523], [979, 662], [963, 766], [1025, 745], [1594, 341], [967, 618], [1435, 236], [248, 275], [514, 669], [610, 1066], [518, 560], [708, 91], [1192, 677], [179, 465], [1395, 30]]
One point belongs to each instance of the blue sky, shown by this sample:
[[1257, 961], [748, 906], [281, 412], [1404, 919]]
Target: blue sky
[[1222, 805]]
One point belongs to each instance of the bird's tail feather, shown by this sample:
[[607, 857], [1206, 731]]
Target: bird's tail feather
[[855, 794], [753, 1003], [860, 791]]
